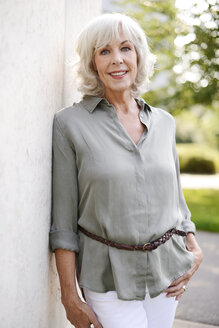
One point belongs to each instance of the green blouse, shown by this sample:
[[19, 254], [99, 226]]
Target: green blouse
[[121, 191]]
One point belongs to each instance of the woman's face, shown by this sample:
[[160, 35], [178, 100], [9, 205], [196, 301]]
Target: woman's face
[[116, 65]]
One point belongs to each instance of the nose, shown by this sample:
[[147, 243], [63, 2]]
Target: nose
[[117, 57]]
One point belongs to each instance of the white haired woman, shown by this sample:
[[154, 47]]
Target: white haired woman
[[119, 218]]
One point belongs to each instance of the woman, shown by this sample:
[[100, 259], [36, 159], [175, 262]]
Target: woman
[[119, 218]]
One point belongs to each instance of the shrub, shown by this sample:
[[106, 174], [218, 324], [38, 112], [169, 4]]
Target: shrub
[[199, 165], [198, 158]]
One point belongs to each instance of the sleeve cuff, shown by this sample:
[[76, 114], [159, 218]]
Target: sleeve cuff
[[68, 240], [188, 226]]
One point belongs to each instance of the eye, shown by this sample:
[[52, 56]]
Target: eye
[[104, 52], [126, 48]]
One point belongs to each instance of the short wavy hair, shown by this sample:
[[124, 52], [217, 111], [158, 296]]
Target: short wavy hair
[[100, 32]]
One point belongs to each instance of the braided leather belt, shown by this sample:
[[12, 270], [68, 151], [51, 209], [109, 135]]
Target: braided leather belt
[[146, 247]]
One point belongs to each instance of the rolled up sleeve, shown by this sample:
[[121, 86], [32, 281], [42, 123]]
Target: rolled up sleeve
[[63, 232], [187, 225]]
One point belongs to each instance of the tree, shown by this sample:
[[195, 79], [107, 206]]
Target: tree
[[197, 51], [183, 36]]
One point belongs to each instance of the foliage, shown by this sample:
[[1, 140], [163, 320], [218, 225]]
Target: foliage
[[199, 165], [198, 125], [204, 206], [200, 53], [185, 43], [188, 151]]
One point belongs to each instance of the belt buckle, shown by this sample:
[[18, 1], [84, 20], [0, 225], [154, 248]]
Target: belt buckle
[[144, 247]]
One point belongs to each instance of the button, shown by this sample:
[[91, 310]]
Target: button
[[141, 115]]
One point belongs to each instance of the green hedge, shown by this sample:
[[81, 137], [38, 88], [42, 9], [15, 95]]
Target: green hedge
[[198, 159], [199, 165]]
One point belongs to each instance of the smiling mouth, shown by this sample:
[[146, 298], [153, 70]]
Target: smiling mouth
[[119, 74]]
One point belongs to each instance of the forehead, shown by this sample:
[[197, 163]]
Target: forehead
[[117, 36], [116, 42]]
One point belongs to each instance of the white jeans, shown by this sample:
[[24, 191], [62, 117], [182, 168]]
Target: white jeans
[[115, 313]]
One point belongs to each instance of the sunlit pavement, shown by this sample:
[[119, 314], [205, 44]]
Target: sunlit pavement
[[198, 181]]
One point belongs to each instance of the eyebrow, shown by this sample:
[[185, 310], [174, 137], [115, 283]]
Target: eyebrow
[[125, 41], [108, 45]]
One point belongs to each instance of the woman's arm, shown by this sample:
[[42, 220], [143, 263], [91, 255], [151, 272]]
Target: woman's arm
[[64, 240], [65, 263], [77, 312], [191, 243]]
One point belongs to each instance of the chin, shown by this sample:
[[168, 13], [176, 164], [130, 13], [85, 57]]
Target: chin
[[120, 88]]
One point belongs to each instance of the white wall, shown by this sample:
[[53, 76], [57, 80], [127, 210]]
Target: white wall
[[36, 39]]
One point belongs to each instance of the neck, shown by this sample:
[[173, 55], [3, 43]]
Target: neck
[[122, 101]]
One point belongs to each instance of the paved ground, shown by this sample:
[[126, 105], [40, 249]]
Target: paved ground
[[197, 181], [188, 324], [200, 303]]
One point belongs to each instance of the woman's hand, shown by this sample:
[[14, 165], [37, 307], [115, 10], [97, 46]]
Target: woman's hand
[[79, 313], [176, 288]]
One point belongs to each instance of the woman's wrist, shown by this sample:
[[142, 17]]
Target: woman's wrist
[[70, 296], [193, 246], [191, 242]]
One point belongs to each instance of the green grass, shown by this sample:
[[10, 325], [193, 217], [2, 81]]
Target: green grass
[[204, 207]]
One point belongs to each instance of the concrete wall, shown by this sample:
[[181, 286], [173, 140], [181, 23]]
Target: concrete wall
[[36, 39]]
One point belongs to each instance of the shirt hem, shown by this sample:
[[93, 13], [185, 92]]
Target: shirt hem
[[152, 294], [176, 276]]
